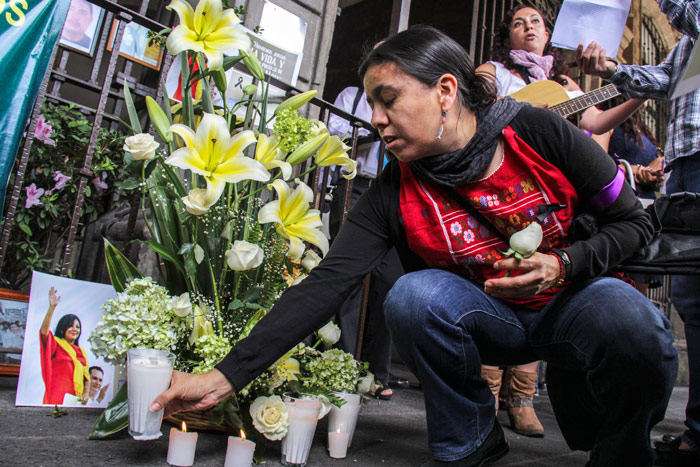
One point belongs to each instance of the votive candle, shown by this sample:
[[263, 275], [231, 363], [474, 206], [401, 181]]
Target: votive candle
[[181, 447], [338, 444], [239, 452]]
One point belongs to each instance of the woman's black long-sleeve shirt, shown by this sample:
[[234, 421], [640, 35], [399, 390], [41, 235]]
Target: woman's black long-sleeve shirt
[[373, 227]]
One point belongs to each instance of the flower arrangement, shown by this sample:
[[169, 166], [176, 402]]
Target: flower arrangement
[[231, 222]]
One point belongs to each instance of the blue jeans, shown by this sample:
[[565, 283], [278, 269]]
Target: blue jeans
[[685, 297], [611, 362]]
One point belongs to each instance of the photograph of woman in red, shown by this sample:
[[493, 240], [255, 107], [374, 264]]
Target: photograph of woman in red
[[64, 365]]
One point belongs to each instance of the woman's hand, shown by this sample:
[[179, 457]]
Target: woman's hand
[[541, 273], [53, 301], [651, 175], [53, 298], [193, 392]]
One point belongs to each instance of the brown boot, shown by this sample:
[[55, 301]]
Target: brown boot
[[493, 377], [521, 412]]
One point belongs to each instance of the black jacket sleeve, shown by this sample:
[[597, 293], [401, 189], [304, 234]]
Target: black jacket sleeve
[[624, 226]]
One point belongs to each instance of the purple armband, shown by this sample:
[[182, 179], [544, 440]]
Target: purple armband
[[607, 196]]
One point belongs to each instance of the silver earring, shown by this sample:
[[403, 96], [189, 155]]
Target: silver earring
[[442, 124]]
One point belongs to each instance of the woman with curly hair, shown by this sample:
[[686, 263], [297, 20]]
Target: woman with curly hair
[[522, 53]]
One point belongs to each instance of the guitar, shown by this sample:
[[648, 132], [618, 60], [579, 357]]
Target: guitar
[[555, 96]]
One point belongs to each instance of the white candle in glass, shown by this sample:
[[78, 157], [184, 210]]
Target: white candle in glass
[[239, 452], [338, 444], [181, 447]]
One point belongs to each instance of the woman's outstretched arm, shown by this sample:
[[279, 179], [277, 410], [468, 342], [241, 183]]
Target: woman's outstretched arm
[[53, 301]]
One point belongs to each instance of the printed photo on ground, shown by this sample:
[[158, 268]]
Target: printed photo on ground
[[58, 365]]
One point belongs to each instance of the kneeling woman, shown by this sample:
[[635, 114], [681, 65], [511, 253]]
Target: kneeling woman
[[462, 302]]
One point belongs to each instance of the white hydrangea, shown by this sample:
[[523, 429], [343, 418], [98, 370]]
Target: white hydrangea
[[141, 316]]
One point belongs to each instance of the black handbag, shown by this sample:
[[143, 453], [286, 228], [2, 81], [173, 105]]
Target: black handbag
[[675, 248]]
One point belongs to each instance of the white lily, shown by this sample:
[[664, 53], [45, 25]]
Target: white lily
[[293, 217], [269, 153], [209, 29], [217, 156], [334, 152]]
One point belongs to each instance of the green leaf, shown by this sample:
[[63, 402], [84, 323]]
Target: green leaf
[[133, 115], [25, 228], [165, 253], [120, 269], [129, 184], [114, 418], [227, 232], [198, 254]]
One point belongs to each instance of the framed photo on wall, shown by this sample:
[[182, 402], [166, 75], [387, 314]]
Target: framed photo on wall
[[13, 322], [135, 46], [81, 29]]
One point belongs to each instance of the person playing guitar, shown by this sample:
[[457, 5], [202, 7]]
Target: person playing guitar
[[522, 54]]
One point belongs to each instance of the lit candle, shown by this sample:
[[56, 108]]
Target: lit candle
[[239, 452], [181, 447], [338, 444]]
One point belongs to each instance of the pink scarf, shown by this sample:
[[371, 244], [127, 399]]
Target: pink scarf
[[538, 66]]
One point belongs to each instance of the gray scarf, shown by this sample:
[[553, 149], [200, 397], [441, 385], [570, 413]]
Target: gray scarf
[[465, 165]]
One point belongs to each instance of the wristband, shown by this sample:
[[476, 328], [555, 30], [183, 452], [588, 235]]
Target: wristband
[[564, 266]]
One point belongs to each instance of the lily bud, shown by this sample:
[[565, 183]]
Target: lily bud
[[297, 101], [220, 80], [249, 89], [307, 149], [253, 64], [159, 119]]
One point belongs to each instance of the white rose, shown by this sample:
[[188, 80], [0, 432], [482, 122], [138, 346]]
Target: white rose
[[196, 201], [270, 417], [365, 385], [141, 147], [329, 334], [525, 242], [243, 256], [181, 305], [311, 260]]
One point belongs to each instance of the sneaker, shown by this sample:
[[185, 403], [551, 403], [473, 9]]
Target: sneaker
[[493, 448], [668, 454]]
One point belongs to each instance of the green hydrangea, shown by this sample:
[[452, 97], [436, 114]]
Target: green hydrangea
[[334, 370], [293, 129], [211, 349], [141, 316]]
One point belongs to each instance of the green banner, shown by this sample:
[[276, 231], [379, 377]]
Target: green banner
[[29, 30]]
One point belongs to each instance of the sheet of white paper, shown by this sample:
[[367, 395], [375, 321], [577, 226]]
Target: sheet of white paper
[[690, 81], [581, 22]]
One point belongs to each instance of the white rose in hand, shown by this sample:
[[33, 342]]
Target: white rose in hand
[[244, 255], [329, 334], [525, 242], [141, 147], [270, 417]]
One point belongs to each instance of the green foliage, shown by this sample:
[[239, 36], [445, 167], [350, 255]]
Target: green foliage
[[40, 229]]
